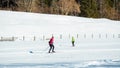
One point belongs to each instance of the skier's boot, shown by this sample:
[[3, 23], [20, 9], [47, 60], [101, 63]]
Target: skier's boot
[[53, 51]]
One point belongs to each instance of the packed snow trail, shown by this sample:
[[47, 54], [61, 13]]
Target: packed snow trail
[[18, 52]]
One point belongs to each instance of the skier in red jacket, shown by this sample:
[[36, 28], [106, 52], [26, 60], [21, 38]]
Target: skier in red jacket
[[51, 45]]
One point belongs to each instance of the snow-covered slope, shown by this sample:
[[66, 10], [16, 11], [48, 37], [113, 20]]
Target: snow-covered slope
[[30, 23], [97, 41]]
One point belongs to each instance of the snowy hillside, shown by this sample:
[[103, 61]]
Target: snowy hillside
[[97, 41], [30, 23]]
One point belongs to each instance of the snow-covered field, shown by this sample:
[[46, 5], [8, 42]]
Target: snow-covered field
[[97, 41]]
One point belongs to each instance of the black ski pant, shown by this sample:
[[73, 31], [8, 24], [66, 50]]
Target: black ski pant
[[73, 43], [51, 47]]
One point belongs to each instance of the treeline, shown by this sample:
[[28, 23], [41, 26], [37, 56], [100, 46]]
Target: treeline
[[100, 8], [64, 7], [85, 8]]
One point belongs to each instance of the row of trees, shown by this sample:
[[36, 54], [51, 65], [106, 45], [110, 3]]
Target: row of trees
[[100, 8], [64, 7], [87, 8]]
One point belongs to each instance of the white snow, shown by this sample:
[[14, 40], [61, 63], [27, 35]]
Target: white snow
[[97, 40]]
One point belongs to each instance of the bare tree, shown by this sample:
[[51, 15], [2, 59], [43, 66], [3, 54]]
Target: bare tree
[[69, 7]]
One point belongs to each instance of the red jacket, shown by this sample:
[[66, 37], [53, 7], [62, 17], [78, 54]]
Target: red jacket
[[51, 40]]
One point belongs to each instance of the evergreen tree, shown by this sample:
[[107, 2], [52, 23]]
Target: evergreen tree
[[89, 8]]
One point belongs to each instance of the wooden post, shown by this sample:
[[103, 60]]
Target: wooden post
[[1, 39], [43, 37], [99, 35], [92, 35], [69, 35], [113, 36], [52, 35], [23, 38], [61, 36], [34, 38], [118, 35], [84, 35], [106, 36], [77, 35], [13, 39]]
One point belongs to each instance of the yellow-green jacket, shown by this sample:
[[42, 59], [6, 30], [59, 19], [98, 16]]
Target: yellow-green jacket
[[73, 40]]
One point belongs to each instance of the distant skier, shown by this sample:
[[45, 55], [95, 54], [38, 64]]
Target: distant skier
[[73, 41], [51, 45]]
